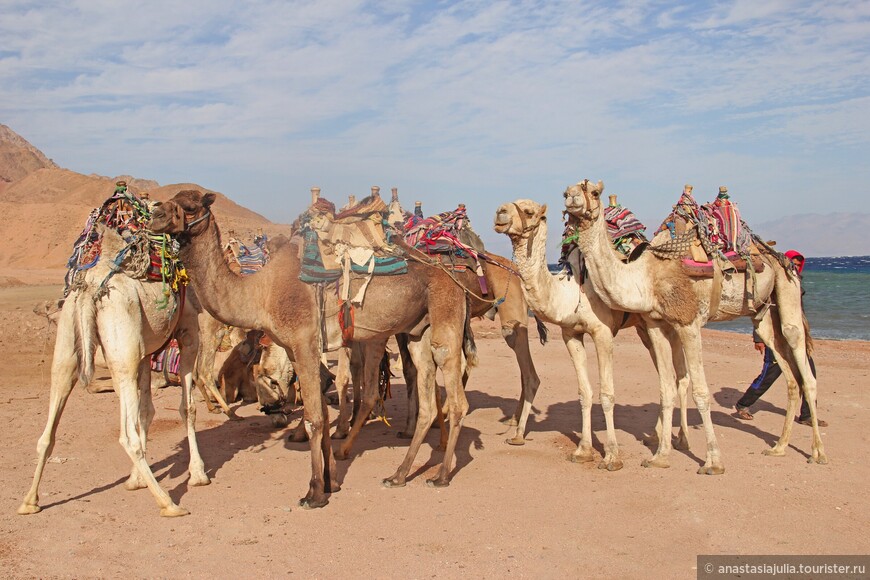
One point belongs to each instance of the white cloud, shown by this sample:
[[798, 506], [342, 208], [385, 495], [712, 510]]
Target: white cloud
[[476, 101]]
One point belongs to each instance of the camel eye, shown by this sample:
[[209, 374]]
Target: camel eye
[[529, 212]]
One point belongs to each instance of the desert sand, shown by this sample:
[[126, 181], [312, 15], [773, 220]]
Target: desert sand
[[523, 512]]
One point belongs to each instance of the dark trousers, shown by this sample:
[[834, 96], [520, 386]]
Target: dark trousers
[[769, 373]]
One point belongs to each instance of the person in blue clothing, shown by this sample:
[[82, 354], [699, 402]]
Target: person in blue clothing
[[770, 370]]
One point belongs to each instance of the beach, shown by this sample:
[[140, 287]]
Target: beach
[[509, 511]]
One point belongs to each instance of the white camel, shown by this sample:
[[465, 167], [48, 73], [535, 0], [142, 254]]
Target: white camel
[[665, 296], [127, 322], [577, 311]]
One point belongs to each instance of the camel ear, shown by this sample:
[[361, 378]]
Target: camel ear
[[208, 199], [543, 212], [600, 187]]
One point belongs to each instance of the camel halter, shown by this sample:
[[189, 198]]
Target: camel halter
[[190, 224], [526, 228]]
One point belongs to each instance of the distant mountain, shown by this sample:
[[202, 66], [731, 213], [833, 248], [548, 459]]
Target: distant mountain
[[18, 157], [44, 209], [833, 234]]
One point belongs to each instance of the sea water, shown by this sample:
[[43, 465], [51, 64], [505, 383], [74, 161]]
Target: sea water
[[836, 299]]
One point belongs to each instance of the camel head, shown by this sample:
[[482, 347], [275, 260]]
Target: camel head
[[519, 220], [186, 213], [583, 201]]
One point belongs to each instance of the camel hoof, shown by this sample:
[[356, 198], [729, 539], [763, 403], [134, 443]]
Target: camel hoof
[[681, 444], [711, 470], [656, 462], [822, 459], [518, 440], [215, 411], [341, 454], [26, 509], [774, 452], [392, 482], [611, 465], [233, 417], [198, 480], [339, 435], [583, 457], [437, 482], [310, 504], [133, 483], [173, 511], [296, 438], [403, 435], [651, 441]]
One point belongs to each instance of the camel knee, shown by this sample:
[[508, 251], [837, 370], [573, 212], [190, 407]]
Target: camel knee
[[440, 354], [607, 402], [792, 334], [509, 332]]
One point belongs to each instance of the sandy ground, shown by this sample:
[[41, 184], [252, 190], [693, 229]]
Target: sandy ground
[[510, 511]]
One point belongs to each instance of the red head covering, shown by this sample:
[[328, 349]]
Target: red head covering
[[792, 254]]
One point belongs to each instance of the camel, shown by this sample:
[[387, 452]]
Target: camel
[[236, 377], [577, 311], [289, 311], [504, 284], [128, 323], [664, 295]]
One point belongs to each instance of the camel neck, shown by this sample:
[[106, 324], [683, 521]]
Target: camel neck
[[231, 298], [613, 280], [543, 292]]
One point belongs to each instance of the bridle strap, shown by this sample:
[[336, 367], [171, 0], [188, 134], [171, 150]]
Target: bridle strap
[[526, 228], [190, 224]]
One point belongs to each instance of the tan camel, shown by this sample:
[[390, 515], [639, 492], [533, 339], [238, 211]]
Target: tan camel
[[577, 311], [288, 310], [664, 295], [128, 324], [505, 288]]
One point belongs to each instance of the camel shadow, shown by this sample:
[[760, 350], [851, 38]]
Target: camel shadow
[[213, 447], [376, 434]]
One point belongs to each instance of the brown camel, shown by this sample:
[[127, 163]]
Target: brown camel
[[664, 295], [505, 290], [289, 311]]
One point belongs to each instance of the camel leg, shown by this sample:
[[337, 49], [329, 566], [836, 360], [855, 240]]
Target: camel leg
[[373, 352], [604, 351], [188, 341], [131, 432], [409, 371], [314, 418], [146, 416], [447, 353], [577, 352], [667, 377], [690, 337], [342, 381], [679, 362], [421, 352], [64, 369], [516, 335], [791, 316]]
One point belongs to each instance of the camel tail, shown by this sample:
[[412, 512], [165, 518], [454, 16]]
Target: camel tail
[[469, 348], [807, 335], [86, 336], [543, 331]]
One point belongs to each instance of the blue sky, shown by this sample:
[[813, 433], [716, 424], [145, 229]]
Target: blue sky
[[475, 102]]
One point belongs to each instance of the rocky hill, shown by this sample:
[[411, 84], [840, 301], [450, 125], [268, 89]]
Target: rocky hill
[[44, 208]]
